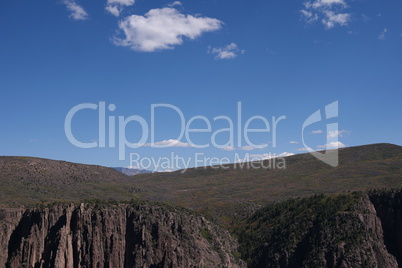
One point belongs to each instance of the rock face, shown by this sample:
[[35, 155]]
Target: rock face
[[139, 235], [388, 206], [321, 231], [351, 230]]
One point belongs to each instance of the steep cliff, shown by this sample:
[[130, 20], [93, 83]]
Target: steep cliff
[[320, 231], [136, 235], [388, 205]]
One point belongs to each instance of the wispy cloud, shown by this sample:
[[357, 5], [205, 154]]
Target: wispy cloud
[[329, 11], [309, 16], [327, 3], [250, 148], [228, 52], [77, 12], [245, 148], [167, 143], [115, 7], [316, 131], [162, 28], [383, 34], [228, 148], [175, 3]]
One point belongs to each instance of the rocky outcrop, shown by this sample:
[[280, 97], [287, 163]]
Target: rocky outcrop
[[388, 206], [136, 235], [351, 230], [320, 231]]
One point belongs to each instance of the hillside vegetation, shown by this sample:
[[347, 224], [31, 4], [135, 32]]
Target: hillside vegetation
[[325, 231], [29, 181], [229, 193], [233, 192]]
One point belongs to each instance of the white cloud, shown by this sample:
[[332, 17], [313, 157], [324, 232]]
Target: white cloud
[[382, 35], [167, 143], [285, 154], [228, 148], [121, 2], [245, 148], [228, 52], [114, 10], [332, 19], [336, 133], [328, 3], [332, 145], [309, 16], [328, 10], [294, 142], [250, 148], [316, 131], [115, 7], [76, 11], [162, 29]]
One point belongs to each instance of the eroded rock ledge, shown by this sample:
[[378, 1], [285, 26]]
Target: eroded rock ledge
[[115, 236]]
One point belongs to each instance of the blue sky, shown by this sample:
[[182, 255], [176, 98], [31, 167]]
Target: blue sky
[[278, 58]]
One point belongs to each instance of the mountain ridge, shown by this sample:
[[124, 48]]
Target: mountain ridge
[[27, 180], [131, 171]]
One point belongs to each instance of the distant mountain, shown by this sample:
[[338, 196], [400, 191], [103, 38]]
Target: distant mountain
[[131, 171]]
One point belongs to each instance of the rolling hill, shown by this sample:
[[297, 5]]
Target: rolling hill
[[233, 190], [227, 192], [29, 181]]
